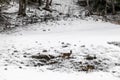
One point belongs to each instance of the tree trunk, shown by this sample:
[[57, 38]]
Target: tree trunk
[[88, 4], [47, 4], [22, 7], [106, 8], [50, 2], [113, 7], [40, 2]]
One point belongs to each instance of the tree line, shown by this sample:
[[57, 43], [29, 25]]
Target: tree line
[[101, 7], [23, 5]]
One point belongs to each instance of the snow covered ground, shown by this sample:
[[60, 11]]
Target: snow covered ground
[[18, 45], [80, 36]]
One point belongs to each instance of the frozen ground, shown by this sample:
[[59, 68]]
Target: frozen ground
[[21, 47]]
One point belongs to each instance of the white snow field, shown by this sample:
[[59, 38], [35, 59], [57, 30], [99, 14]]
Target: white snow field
[[83, 37]]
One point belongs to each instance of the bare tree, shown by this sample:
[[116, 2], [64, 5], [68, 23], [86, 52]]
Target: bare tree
[[50, 3], [40, 2], [113, 6], [88, 4], [22, 7], [106, 8], [47, 6]]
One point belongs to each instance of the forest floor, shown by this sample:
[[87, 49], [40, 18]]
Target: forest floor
[[34, 51]]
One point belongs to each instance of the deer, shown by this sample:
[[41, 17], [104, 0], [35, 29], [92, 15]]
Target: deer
[[66, 55], [88, 68]]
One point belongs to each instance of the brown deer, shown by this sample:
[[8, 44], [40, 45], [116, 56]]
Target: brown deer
[[66, 55], [88, 68]]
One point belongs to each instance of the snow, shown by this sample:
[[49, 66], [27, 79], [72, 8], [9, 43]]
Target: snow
[[32, 39], [81, 36], [48, 75]]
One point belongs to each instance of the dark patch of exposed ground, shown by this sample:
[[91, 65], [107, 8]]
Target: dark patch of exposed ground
[[115, 43], [82, 62]]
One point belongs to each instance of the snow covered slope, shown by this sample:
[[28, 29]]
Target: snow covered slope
[[55, 37]]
